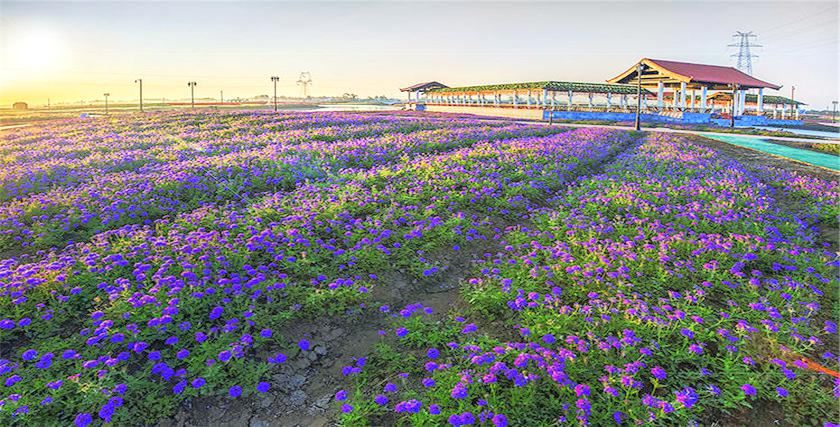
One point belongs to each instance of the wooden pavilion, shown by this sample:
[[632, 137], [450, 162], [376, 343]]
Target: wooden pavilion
[[678, 78]]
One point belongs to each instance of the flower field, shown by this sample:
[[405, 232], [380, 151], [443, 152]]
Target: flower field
[[612, 278]]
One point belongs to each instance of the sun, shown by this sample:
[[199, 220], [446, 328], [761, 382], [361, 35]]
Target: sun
[[33, 50]]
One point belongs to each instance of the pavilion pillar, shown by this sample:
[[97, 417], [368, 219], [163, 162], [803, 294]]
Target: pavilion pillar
[[553, 99], [775, 111], [622, 101], [609, 101], [528, 101], [515, 100], [682, 95], [545, 98], [693, 98], [590, 101], [644, 102], [760, 104], [795, 109], [409, 96], [571, 96], [703, 97], [660, 95]]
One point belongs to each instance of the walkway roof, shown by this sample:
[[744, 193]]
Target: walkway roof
[[423, 86], [712, 76], [580, 87]]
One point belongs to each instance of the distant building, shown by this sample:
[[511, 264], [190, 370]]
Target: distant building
[[20, 106]]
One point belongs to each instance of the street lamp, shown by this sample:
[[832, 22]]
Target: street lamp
[[639, 69], [106, 102], [735, 88], [834, 112], [192, 93], [141, 93], [274, 80]]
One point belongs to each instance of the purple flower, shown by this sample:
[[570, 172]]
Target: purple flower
[[459, 391], [346, 408], [748, 389], [432, 353], [263, 387], [581, 390], [235, 391], [341, 395], [198, 382], [499, 420], [303, 344], [390, 388], [83, 419], [277, 358], [658, 372], [781, 392], [428, 382], [380, 400], [29, 355]]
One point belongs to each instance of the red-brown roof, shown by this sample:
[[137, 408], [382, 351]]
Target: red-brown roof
[[712, 74], [423, 86]]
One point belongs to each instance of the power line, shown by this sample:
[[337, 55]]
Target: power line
[[744, 54], [305, 80]]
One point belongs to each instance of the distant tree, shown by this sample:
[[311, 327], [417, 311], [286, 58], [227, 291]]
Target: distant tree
[[350, 96]]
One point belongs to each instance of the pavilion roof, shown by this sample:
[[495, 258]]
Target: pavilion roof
[[423, 86], [549, 85], [713, 75]]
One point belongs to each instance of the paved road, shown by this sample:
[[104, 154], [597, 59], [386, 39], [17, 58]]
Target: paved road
[[694, 132]]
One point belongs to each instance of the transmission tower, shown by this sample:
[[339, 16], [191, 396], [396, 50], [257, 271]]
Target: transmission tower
[[305, 80], [744, 54]]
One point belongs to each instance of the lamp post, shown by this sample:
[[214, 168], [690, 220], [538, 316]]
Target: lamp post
[[106, 102], [275, 79], [639, 69], [192, 93], [834, 112], [141, 93]]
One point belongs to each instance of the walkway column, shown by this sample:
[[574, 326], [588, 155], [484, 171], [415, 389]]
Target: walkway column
[[760, 101], [528, 101], [660, 95], [703, 96], [545, 98], [795, 109], [609, 101], [590, 101], [553, 99], [514, 99], [409, 96], [622, 101], [693, 98], [571, 95], [682, 95]]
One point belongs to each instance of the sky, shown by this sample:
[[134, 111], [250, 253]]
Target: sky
[[76, 51]]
